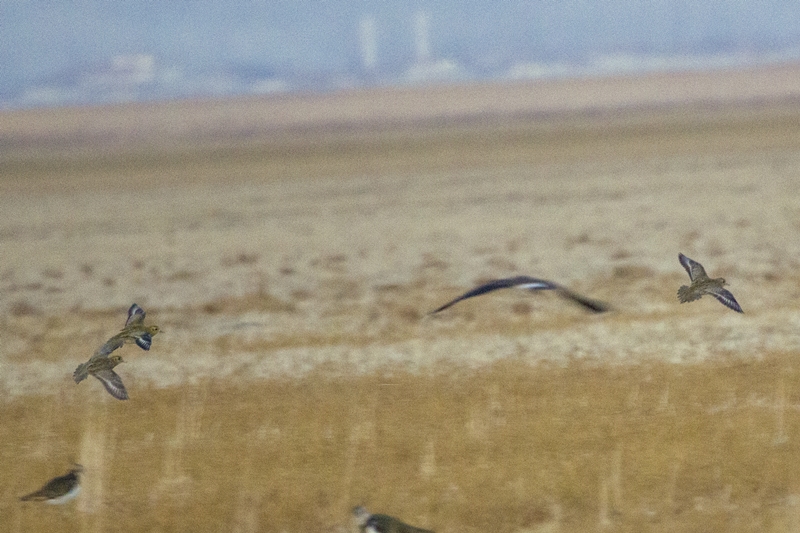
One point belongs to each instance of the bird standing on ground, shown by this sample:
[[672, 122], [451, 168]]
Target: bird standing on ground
[[100, 365], [59, 489], [702, 284], [531, 284], [381, 523]]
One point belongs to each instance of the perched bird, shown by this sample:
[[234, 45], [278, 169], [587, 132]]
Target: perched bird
[[100, 365], [381, 523], [531, 284], [59, 489], [702, 284]]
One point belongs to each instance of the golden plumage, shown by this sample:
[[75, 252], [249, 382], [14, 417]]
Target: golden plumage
[[702, 284], [100, 365]]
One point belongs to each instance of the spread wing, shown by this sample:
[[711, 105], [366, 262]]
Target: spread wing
[[110, 345], [725, 296], [693, 268], [135, 315], [520, 282], [113, 383]]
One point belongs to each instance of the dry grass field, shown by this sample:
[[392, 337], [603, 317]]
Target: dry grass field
[[298, 374]]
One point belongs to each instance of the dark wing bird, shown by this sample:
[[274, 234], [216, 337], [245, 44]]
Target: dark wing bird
[[531, 284], [725, 296], [55, 488], [592, 305], [135, 315], [113, 383], [693, 268], [520, 282]]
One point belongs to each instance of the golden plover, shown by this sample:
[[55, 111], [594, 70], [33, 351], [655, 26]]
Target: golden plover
[[100, 365], [102, 368], [702, 284]]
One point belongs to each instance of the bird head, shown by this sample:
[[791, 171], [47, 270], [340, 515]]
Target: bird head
[[152, 330], [116, 359], [360, 516], [721, 281]]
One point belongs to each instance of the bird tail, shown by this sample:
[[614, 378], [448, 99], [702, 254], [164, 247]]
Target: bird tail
[[81, 373], [684, 295], [33, 496]]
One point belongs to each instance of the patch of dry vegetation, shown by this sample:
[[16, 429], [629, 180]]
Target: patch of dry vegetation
[[650, 447]]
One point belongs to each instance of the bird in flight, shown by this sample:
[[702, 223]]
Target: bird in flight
[[381, 523], [531, 284], [702, 284], [59, 489], [103, 369], [100, 365]]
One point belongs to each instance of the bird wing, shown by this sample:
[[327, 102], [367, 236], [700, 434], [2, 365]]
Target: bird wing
[[144, 341], [594, 306], [113, 383], [82, 372], [520, 282], [60, 485], [135, 315], [110, 345], [693, 268], [725, 296]]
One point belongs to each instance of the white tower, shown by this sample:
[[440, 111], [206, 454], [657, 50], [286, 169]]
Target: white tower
[[422, 41], [368, 35]]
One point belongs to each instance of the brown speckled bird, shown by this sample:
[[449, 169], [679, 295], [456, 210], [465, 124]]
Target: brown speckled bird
[[102, 369], [702, 284]]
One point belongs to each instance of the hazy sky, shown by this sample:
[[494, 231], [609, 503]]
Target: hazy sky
[[42, 39]]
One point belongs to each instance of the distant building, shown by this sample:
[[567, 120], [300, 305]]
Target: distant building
[[426, 69], [368, 38]]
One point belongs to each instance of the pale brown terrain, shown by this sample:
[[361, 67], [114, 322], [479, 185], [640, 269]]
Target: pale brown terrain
[[291, 264]]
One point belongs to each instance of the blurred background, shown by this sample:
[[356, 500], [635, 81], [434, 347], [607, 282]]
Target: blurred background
[[62, 52]]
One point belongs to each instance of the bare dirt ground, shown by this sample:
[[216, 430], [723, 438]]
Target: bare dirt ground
[[291, 269]]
